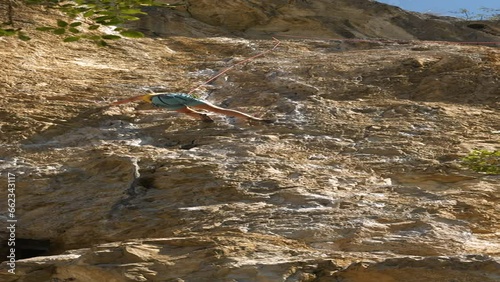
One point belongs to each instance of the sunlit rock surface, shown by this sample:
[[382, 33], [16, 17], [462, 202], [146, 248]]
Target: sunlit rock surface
[[359, 178]]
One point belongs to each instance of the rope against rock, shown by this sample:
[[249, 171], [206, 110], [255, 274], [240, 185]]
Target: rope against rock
[[239, 63], [277, 43]]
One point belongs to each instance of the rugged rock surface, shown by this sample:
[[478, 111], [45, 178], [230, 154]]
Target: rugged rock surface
[[324, 18], [358, 179]]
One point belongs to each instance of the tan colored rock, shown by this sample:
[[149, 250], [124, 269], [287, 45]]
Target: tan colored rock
[[239, 257], [358, 179], [320, 18]]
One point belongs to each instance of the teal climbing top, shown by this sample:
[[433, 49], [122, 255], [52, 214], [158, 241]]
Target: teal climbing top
[[175, 101]]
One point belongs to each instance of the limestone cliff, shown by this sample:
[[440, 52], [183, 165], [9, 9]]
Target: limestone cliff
[[359, 178]]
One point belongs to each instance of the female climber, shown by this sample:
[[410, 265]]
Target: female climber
[[186, 104]]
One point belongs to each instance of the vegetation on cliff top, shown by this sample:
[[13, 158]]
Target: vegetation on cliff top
[[87, 16]]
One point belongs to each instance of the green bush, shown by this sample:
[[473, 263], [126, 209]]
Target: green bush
[[483, 161], [87, 16]]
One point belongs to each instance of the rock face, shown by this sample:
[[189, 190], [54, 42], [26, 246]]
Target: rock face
[[323, 18], [359, 178]]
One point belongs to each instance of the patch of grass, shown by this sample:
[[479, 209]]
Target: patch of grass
[[483, 161]]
